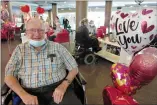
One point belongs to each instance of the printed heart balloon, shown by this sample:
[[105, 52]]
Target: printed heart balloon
[[121, 79], [134, 31]]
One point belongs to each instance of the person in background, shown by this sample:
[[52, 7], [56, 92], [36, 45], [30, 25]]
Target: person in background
[[65, 23], [41, 66], [56, 22], [92, 28], [82, 35]]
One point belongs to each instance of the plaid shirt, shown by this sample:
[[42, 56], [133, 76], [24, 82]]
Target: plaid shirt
[[37, 69]]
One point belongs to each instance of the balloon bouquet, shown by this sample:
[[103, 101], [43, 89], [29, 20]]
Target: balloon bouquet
[[134, 32]]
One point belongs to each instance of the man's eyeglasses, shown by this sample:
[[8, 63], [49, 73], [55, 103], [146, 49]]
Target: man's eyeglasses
[[35, 30]]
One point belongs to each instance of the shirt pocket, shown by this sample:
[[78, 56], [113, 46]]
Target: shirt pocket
[[56, 63]]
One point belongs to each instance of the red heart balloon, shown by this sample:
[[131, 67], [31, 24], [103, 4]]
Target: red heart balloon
[[25, 8], [40, 10]]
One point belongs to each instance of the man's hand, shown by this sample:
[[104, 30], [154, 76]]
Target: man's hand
[[59, 92], [29, 99]]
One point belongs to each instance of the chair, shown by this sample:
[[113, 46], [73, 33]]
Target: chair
[[3, 34], [104, 29], [79, 89], [99, 33], [64, 39], [49, 33], [64, 30]]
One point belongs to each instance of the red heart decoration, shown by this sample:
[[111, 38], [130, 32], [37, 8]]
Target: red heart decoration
[[124, 15], [145, 11], [40, 10], [144, 27], [25, 8]]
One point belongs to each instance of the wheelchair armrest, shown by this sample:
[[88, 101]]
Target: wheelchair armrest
[[82, 79], [5, 89]]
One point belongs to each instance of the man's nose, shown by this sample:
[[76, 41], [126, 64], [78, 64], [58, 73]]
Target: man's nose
[[36, 32]]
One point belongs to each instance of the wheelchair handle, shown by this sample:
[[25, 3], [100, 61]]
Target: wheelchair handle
[[4, 90]]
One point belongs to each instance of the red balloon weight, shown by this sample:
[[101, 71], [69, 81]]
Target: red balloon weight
[[125, 100], [112, 96]]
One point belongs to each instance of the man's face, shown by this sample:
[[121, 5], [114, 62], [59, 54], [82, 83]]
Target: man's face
[[35, 29]]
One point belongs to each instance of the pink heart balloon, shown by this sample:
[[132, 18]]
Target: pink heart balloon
[[144, 66]]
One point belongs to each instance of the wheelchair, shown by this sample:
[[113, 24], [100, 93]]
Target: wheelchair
[[83, 53], [79, 89]]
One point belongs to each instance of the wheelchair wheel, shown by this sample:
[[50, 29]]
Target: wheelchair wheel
[[89, 59]]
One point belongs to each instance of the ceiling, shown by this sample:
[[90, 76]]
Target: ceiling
[[47, 4]]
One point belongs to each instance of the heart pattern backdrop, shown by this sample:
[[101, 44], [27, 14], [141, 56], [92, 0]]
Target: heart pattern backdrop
[[134, 31]]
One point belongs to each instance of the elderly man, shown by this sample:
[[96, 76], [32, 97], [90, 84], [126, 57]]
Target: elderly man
[[41, 66]]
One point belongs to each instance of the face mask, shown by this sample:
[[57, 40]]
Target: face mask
[[37, 43]]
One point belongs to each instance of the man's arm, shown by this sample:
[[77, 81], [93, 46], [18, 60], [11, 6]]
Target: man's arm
[[11, 72], [70, 77], [13, 83], [71, 66], [61, 89]]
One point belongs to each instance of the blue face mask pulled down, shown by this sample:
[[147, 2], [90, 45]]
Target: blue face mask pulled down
[[37, 43]]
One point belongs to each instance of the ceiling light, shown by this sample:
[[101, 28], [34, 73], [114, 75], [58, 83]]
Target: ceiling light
[[65, 2]]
